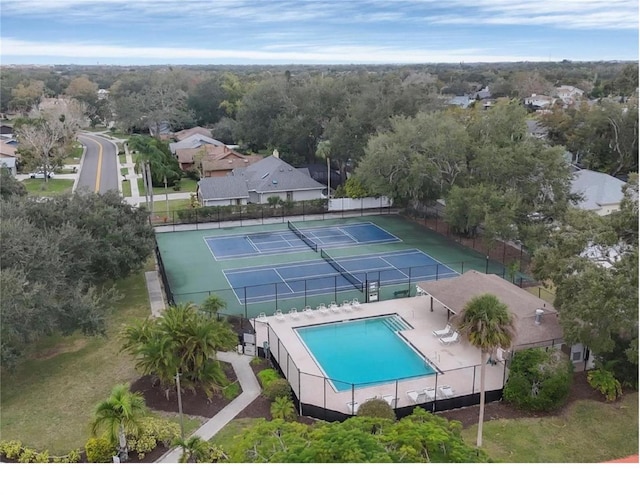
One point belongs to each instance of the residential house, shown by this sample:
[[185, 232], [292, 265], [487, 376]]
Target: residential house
[[10, 164], [7, 150], [223, 191], [601, 193], [461, 101], [103, 94], [535, 320], [539, 102], [187, 133], [6, 131], [194, 141], [568, 92], [263, 179], [218, 161]]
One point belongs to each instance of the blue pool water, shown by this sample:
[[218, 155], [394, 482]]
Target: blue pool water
[[363, 352]]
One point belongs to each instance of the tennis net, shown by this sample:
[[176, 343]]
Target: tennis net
[[303, 237], [353, 280]]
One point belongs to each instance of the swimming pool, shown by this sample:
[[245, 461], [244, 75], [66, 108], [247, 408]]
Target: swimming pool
[[363, 351]]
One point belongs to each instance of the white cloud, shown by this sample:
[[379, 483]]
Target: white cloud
[[301, 54]]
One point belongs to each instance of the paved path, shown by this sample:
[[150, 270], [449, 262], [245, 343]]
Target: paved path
[[240, 363]]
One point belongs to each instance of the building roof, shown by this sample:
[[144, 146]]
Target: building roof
[[272, 174], [454, 293], [598, 189], [7, 149], [229, 187], [186, 133], [460, 101], [194, 141]]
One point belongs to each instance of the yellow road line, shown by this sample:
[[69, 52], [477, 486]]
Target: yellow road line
[[99, 170]]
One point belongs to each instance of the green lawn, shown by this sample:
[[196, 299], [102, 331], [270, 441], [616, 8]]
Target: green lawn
[[160, 207], [186, 185], [118, 135], [47, 402], [225, 437], [76, 153], [590, 432], [126, 188], [52, 187], [124, 170], [122, 158]]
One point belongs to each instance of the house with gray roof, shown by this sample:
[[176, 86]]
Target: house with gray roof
[[223, 191], [194, 141], [601, 193], [266, 178]]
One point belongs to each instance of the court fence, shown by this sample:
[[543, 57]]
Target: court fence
[[260, 214], [330, 405]]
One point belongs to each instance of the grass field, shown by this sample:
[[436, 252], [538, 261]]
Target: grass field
[[590, 432], [186, 185], [53, 187], [126, 188], [160, 207], [48, 401]]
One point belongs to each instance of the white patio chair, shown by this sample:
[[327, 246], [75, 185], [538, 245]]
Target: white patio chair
[[430, 393], [352, 407], [308, 311], [346, 305], [446, 392], [278, 314], [391, 400], [293, 312], [322, 309], [355, 303], [451, 339], [262, 317], [334, 307], [445, 332], [416, 397]]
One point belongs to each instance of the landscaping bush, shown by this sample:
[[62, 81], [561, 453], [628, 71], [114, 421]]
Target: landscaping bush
[[277, 388], [267, 376], [193, 174], [376, 408], [231, 391], [605, 383], [152, 431], [99, 450], [539, 379], [11, 449], [283, 408]]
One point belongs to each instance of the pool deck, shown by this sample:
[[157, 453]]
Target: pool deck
[[455, 362]]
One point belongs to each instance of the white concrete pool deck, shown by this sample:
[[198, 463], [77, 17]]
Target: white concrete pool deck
[[454, 361]]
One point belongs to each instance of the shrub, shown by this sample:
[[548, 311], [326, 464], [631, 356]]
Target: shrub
[[193, 174], [605, 383], [42, 457], [11, 449], [277, 388], [231, 391], [27, 455], [283, 408], [99, 450], [539, 379], [267, 376], [151, 432], [376, 408]]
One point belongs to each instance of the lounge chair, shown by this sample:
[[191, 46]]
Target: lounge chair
[[346, 305], [451, 339], [430, 393], [446, 331], [391, 400], [308, 311], [352, 407], [416, 397], [334, 307], [446, 391], [322, 309], [355, 303], [278, 314], [293, 312], [262, 317]]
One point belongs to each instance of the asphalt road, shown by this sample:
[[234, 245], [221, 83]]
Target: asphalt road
[[99, 172]]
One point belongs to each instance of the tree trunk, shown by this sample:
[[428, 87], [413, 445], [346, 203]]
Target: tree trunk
[[483, 367], [122, 440]]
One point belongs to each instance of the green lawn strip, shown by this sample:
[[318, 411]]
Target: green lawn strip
[[543, 293], [122, 158], [590, 432], [118, 135], [124, 170], [53, 187], [160, 206], [126, 188], [186, 185], [226, 436], [48, 402]]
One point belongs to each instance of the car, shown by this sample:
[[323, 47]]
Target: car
[[39, 174]]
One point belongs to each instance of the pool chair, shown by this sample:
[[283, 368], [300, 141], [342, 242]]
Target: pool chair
[[334, 307], [308, 311], [346, 305], [293, 312], [322, 309], [278, 314], [352, 407], [430, 393], [262, 317], [445, 332], [355, 303], [446, 392], [416, 397], [451, 339], [390, 399]]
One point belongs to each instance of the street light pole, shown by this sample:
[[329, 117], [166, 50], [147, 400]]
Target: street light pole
[[180, 405], [166, 194], [328, 178]]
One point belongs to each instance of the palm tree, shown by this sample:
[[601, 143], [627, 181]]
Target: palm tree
[[488, 324], [194, 449], [118, 415], [283, 408], [213, 304]]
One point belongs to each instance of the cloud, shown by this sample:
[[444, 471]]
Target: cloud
[[309, 53]]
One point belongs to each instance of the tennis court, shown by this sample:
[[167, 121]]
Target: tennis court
[[294, 239], [291, 280]]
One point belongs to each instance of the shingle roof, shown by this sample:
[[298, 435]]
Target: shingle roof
[[272, 174], [454, 293], [597, 188], [186, 133], [228, 187], [194, 141]]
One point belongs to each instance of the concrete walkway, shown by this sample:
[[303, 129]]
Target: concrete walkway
[[240, 363]]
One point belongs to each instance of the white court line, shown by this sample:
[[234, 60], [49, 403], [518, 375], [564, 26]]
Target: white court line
[[257, 250], [349, 236], [233, 289], [209, 248]]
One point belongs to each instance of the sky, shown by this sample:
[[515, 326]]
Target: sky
[[242, 32]]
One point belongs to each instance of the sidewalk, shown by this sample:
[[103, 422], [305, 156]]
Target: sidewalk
[[157, 198], [240, 363]]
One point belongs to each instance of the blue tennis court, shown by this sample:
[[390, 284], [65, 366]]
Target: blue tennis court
[[289, 280], [284, 241]]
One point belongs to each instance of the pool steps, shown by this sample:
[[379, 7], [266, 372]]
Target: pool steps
[[396, 324]]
